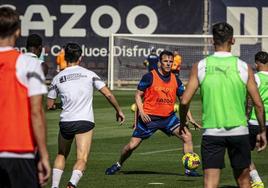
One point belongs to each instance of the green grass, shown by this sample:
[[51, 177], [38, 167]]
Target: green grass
[[142, 168]]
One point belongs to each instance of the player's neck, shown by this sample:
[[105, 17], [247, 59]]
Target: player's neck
[[264, 68], [162, 72], [72, 64], [9, 41], [223, 48]]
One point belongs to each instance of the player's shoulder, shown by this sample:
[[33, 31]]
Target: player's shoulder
[[200, 64], [241, 62], [90, 73], [148, 75], [242, 65], [24, 58], [27, 63]]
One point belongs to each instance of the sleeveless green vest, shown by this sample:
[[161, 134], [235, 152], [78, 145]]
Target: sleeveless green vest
[[223, 94], [263, 90]]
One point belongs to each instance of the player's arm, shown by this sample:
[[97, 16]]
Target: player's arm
[[45, 68], [52, 95], [112, 100], [39, 131], [259, 109], [192, 120], [51, 104], [191, 88]]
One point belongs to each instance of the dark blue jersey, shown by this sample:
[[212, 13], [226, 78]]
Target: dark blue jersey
[[152, 60], [147, 81]]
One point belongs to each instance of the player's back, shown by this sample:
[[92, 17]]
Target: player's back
[[75, 86]]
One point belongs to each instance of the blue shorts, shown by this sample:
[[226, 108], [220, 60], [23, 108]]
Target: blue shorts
[[165, 124]]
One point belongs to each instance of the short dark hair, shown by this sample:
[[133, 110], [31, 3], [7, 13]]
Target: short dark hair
[[9, 22], [72, 52], [165, 52], [33, 40], [222, 32], [261, 57]]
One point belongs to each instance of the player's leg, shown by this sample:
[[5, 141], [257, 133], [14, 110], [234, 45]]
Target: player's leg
[[212, 152], [211, 177], [254, 175], [242, 177], [83, 145], [240, 158], [125, 154], [129, 148], [186, 137], [64, 146], [171, 127], [142, 131]]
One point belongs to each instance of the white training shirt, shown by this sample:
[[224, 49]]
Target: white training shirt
[[29, 73], [34, 56], [258, 81], [75, 86], [243, 72]]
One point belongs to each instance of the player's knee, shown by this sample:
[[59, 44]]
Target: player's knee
[[63, 154], [133, 145], [187, 138], [82, 160]]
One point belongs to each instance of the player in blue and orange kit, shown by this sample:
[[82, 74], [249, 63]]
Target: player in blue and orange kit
[[159, 90], [151, 62]]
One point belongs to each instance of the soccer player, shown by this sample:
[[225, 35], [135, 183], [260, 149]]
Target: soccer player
[[224, 81], [152, 60], [75, 86], [159, 90], [22, 120], [261, 60], [34, 49], [176, 66], [60, 60]]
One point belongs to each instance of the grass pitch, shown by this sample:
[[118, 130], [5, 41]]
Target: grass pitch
[[156, 163]]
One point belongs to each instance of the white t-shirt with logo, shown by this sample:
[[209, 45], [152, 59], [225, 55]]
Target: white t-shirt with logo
[[75, 85]]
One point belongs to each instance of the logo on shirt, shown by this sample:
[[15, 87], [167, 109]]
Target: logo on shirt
[[223, 70], [69, 77], [165, 92], [164, 101], [63, 79]]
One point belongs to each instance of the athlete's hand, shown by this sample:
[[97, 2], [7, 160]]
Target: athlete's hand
[[145, 118], [195, 124], [182, 129], [44, 171], [120, 117], [261, 141]]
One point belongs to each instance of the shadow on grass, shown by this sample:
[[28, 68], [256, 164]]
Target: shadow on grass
[[228, 186], [135, 172]]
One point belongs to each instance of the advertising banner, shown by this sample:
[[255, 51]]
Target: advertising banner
[[89, 23]]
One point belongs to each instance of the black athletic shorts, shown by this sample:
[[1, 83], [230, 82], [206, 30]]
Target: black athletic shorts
[[213, 150], [253, 131], [69, 129], [18, 173]]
